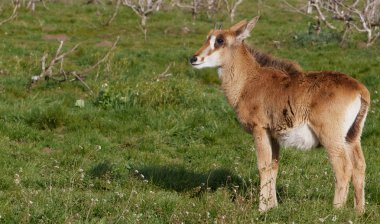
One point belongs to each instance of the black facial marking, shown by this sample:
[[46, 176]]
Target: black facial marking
[[219, 41]]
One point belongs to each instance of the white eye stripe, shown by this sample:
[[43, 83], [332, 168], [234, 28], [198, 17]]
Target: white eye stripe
[[210, 48], [212, 42]]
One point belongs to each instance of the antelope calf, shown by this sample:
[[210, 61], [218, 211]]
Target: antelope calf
[[279, 104]]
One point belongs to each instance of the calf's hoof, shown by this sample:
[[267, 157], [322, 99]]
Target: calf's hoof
[[265, 206]]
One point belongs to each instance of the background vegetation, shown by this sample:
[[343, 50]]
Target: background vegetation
[[151, 148]]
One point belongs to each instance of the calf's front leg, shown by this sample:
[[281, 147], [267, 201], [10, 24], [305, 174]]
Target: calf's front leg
[[267, 170]]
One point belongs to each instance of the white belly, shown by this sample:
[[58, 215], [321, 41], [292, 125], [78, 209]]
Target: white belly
[[301, 137]]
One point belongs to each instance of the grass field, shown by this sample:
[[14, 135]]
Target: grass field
[[147, 149]]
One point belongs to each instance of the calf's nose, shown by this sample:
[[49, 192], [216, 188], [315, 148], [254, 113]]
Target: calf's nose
[[193, 59]]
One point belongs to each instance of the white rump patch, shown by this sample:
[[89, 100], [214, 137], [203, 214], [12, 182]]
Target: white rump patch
[[351, 114], [301, 137]]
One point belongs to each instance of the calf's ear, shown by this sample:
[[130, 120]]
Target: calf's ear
[[243, 28]]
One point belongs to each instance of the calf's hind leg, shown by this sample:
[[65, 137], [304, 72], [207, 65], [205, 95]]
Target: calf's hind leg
[[358, 176], [342, 166]]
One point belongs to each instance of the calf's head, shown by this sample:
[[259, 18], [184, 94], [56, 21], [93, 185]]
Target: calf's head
[[220, 43]]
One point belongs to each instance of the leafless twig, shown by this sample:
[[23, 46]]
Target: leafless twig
[[143, 8], [321, 16], [102, 60], [14, 14], [360, 17], [32, 4], [116, 10], [194, 6], [293, 8], [164, 74], [74, 73], [232, 7], [212, 7], [47, 71]]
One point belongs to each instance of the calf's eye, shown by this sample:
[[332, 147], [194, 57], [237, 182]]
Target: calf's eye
[[219, 41]]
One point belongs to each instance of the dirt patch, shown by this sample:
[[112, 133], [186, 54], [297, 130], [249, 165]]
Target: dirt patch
[[185, 30], [3, 72], [362, 45], [59, 37], [104, 43], [47, 150]]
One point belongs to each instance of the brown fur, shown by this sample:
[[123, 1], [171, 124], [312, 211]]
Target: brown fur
[[266, 60], [272, 97]]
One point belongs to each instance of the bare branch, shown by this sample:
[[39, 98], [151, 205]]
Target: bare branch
[[362, 17], [164, 74], [322, 16], [185, 6], [74, 73], [43, 3], [295, 9], [43, 61], [194, 6], [47, 72], [232, 7], [32, 5], [114, 13], [143, 8], [101, 60], [14, 14]]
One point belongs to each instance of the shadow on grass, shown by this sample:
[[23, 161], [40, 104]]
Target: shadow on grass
[[179, 179]]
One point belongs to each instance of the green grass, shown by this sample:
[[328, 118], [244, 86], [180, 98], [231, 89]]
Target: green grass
[[144, 150]]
